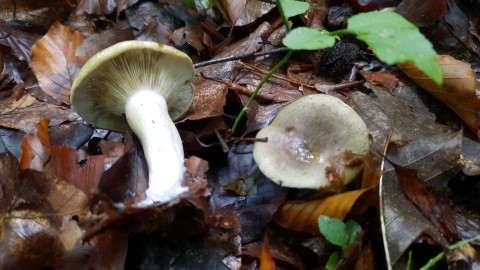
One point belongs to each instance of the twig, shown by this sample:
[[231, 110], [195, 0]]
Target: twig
[[238, 57]]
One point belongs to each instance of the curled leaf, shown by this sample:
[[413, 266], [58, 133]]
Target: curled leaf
[[458, 90]]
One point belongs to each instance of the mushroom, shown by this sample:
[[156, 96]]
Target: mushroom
[[306, 138], [143, 86]]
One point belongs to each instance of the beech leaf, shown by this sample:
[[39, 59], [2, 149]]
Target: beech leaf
[[54, 61], [458, 90], [303, 216]]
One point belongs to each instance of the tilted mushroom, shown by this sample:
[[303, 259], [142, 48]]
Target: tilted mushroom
[[304, 139], [143, 86]]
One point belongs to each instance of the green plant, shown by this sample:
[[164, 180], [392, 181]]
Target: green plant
[[390, 36], [339, 233], [442, 254], [204, 3]]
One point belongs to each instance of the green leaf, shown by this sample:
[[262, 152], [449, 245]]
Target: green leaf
[[352, 228], [189, 3], [304, 38], [293, 8], [395, 40], [206, 3], [333, 229], [333, 261]]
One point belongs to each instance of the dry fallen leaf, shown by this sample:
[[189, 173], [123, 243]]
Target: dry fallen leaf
[[458, 90], [54, 61], [303, 216]]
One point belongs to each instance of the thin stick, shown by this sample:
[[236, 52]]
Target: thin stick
[[238, 57]]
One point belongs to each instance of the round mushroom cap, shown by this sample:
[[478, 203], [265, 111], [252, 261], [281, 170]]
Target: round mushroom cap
[[112, 75], [305, 139]]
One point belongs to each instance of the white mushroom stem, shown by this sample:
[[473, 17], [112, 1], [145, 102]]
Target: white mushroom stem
[[147, 115]]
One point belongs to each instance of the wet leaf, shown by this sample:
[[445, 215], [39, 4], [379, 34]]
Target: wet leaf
[[417, 141], [303, 216], [255, 212], [55, 63], [402, 220], [458, 90]]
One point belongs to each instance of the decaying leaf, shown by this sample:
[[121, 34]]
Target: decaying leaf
[[402, 223], [254, 211], [417, 141], [303, 216], [25, 118], [38, 220], [54, 61], [458, 90]]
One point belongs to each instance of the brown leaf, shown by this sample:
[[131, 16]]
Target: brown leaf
[[19, 41], [101, 40], [422, 12], [434, 208], [210, 95], [54, 61], [303, 216], [35, 148], [37, 15], [234, 8], [266, 260], [35, 217], [76, 167], [458, 90]]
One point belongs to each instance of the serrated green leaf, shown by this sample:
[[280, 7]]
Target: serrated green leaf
[[293, 8], [332, 261], [352, 228], [395, 40], [304, 38], [333, 229]]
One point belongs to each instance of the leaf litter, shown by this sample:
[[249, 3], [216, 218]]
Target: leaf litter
[[83, 185]]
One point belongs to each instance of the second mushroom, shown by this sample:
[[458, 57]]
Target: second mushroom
[[143, 86], [305, 140]]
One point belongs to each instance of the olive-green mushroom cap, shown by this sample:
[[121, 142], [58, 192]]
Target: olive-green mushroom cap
[[303, 139], [112, 75]]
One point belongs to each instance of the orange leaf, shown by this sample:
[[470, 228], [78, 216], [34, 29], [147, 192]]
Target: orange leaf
[[458, 90], [54, 61], [35, 148], [266, 260], [303, 216]]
